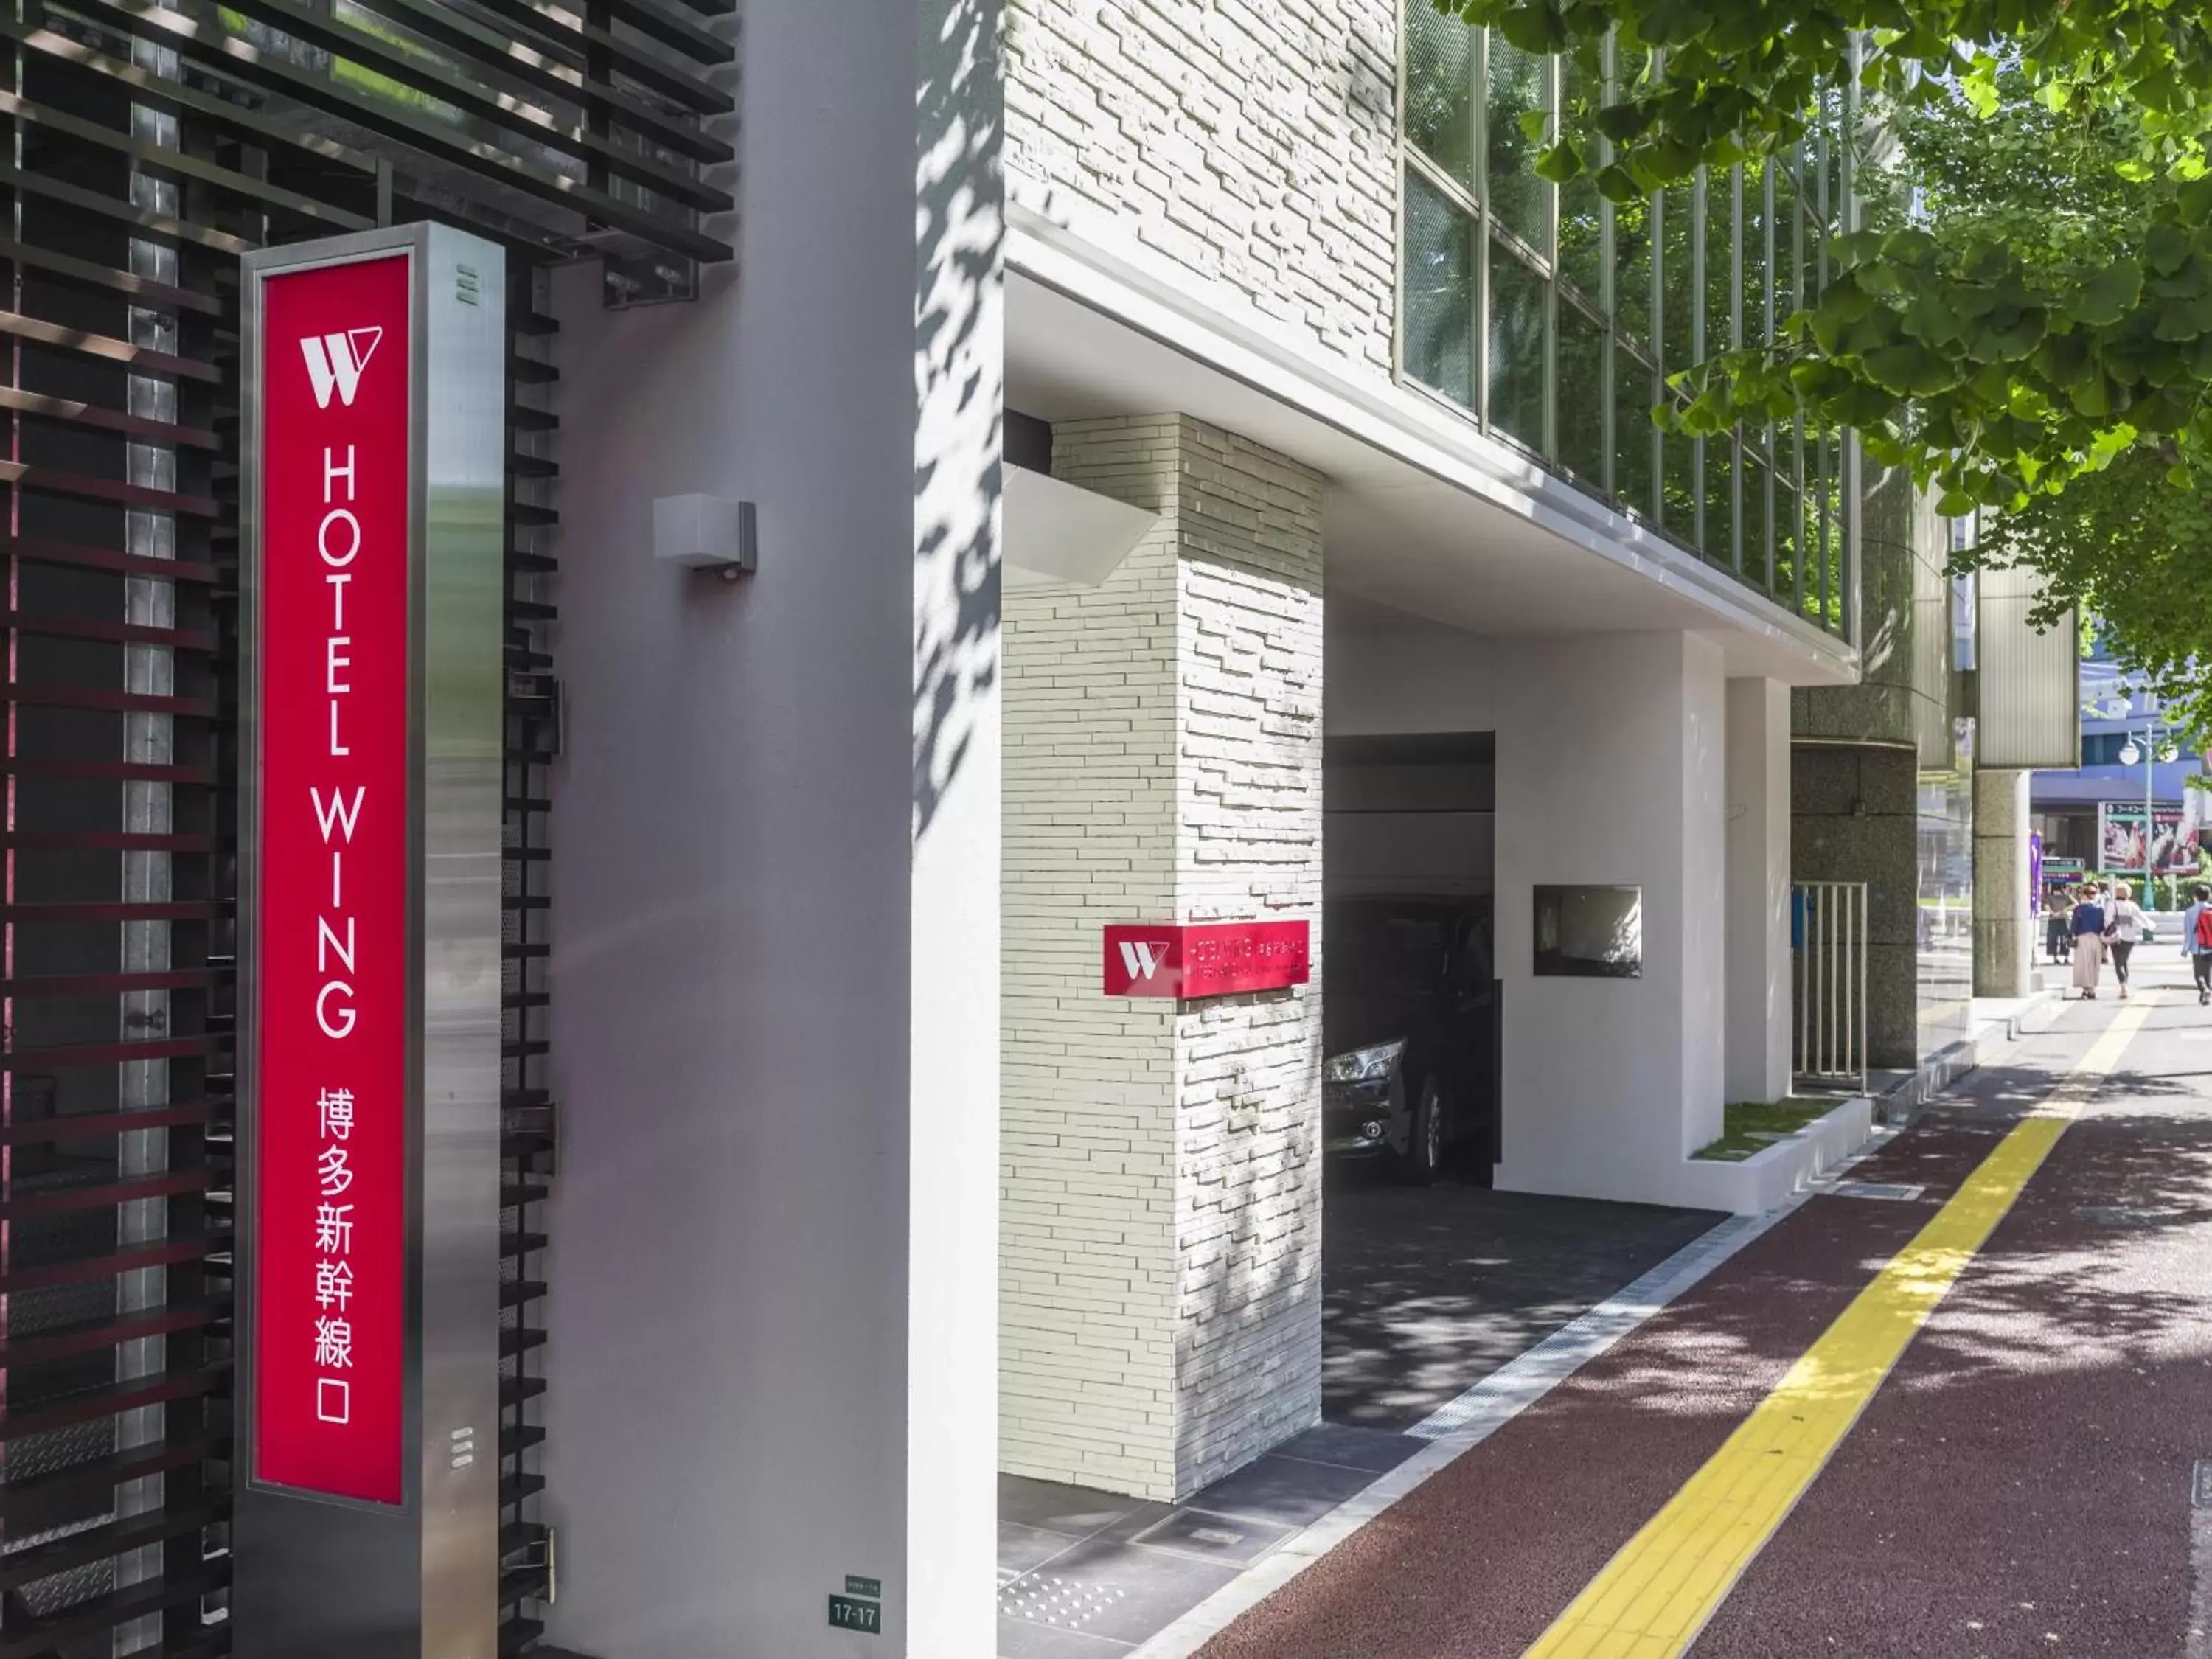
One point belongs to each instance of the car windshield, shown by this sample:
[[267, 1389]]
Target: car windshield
[[1392, 952]]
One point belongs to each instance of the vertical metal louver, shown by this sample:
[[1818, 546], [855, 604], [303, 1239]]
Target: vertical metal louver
[[531, 1132], [2029, 701], [147, 148]]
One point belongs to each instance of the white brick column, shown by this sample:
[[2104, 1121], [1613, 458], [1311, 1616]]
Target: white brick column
[[1160, 1308]]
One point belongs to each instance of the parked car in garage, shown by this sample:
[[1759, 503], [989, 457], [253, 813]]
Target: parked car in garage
[[1410, 1019]]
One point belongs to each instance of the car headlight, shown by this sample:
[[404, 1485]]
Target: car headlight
[[1364, 1065]]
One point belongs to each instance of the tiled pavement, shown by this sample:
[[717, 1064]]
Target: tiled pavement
[[1083, 1574], [1428, 1291]]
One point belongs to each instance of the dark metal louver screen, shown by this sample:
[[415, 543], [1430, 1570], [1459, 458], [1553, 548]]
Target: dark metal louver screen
[[528, 1142], [146, 146]]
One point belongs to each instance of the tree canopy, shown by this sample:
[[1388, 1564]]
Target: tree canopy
[[1991, 366], [2023, 316]]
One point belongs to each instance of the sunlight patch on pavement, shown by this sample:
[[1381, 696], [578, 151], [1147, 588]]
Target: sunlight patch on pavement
[[1654, 1597]]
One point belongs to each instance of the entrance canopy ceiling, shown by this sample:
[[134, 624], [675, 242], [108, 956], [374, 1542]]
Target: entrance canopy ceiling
[[1421, 513]]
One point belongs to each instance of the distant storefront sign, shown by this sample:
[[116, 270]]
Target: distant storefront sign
[[2120, 839]]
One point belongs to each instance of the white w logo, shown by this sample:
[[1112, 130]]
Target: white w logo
[[1141, 958], [337, 361]]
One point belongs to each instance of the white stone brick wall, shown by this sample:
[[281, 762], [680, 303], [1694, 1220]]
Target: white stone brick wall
[[1248, 143], [1087, 1085], [1249, 787], [1160, 1314]]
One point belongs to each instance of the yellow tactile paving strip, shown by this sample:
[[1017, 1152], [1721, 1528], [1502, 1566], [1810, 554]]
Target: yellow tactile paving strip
[[1654, 1597]]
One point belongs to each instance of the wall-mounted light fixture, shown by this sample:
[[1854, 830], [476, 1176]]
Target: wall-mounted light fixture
[[705, 532]]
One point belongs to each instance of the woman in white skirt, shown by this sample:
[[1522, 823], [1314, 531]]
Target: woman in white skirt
[[2088, 943]]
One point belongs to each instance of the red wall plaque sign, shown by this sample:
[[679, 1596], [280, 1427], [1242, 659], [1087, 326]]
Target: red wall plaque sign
[[330, 936], [1212, 959]]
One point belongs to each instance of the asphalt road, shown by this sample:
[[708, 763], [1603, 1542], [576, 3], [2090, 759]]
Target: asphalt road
[[2021, 1483]]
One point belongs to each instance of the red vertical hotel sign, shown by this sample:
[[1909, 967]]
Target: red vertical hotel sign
[[331, 937]]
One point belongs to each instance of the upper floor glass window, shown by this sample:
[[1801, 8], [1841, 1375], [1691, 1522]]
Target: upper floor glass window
[[1552, 316]]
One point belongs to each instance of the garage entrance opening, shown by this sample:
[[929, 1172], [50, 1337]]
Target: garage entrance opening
[[1432, 1281], [1410, 1008]]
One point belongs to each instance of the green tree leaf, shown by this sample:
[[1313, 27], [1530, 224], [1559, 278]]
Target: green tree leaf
[[2109, 295]]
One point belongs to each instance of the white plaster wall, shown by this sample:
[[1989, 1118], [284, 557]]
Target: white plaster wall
[[774, 997], [1389, 673], [1703, 885], [1610, 753], [1757, 951], [1249, 147]]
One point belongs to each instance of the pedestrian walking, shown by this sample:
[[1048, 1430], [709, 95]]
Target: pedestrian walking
[[2057, 929], [2088, 930], [2197, 940], [2123, 931]]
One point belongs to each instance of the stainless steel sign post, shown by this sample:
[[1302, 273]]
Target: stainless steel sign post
[[372, 506]]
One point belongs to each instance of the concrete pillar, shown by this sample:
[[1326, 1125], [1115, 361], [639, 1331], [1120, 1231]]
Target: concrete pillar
[[1860, 809], [773, 1275], [2004, 925], [1610, 771], [1758, 948], [1160, 1312], [1855, 813]]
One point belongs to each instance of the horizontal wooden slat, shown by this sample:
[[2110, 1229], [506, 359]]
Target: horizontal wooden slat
[[107, 840], [45, 1637], [503, 54], [92, 985], [75, 696], [325, 217], [77, 1549], [167, 92], [24, 1498], [60, 1199], [157, 226], [107, 630], [90, 1126], [170, 1253], [92, 1336], [62, 1057], [110, 1400], [391, 120], [144, 290], [76, 412], [46, 480], [49, 766], [140, 360], [68, 913]]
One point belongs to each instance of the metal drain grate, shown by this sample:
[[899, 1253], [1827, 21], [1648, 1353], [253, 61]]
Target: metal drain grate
[[2200, 1485], [1892, 1192]]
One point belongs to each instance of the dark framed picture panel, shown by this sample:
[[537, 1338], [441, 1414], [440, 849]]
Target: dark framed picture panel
[[1589, 933]]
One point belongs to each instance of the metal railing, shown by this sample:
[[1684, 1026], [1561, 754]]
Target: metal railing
[[1828, 936]]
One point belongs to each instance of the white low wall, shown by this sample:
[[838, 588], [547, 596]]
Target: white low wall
[[1755, 1184]]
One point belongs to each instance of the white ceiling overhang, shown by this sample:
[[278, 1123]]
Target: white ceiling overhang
[[1421, 512]]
